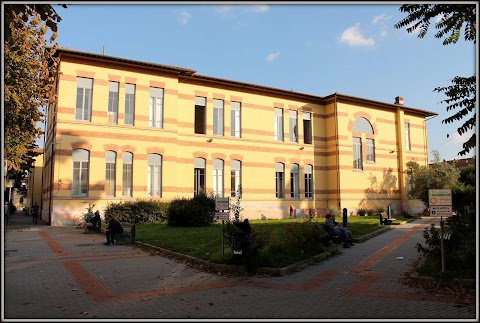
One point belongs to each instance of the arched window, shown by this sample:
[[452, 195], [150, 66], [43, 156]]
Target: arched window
[[81, 160], [110, 172], [236, 178], [294, 181], [218, 177], [199, 176], [154, 175], [127, 182], [279, 180], [308, 169], [362, 125]]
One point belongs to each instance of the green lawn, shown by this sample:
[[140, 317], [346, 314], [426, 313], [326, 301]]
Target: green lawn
[[206, 242]]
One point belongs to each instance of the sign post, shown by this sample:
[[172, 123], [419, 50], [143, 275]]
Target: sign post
[[440, 203], [222, 204]]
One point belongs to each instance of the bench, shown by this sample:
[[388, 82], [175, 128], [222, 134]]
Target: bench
[[386, 219], [96, 228], [128, 235], [335, 239]]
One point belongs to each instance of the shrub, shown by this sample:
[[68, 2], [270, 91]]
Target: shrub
[[459, 250], [303, 236], [361, 211], [139, 211], [198, 211], [370, 212]]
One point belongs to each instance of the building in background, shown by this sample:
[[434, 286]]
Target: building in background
[[123, 130]]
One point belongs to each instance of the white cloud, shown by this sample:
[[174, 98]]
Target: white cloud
[[271, 57], [455, 138], [353, 37], [235, 11], [261, 8], [183, 17], [383, 18]]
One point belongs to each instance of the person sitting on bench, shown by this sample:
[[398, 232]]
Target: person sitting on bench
[[114, 228], [332, 229], [349, 233], [92, 223]]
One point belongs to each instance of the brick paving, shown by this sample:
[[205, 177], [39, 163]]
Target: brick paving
[[55, 273]]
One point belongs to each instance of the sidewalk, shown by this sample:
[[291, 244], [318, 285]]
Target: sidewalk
[[54, 273]]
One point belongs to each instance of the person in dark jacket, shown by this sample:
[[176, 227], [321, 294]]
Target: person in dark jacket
[[35, 212], [114, 227]]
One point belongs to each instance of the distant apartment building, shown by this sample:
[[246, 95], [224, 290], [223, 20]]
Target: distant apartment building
[[462, 162], [123, 130]]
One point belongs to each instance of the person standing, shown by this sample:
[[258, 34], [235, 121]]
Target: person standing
[[35, 212], [114, 227]]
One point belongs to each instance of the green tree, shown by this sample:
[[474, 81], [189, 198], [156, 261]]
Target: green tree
[[29, 66], [452, 18], [438, 175]]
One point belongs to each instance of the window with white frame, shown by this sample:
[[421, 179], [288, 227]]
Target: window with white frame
[[236, 178], [278, 124], [110, 172], [357, 153], [81, 160], [307, 128], [235, 119], [199, 176], [154, 175], [112, 113], [408, 145], [218, 177], [200, 115], [293, 122], [155, 116], [294, 181], [308, 181], [370, 149], [129, 103], [218, 117], [83, 108], [127, 174], [279, 180]]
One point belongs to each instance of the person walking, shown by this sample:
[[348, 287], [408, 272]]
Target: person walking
[[114, 227], [35, 209]]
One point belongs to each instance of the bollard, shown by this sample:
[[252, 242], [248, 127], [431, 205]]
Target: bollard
[[345, 221]]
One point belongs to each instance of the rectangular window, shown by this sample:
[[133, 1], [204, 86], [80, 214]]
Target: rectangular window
[[357, 153], [218, 117], [129, 103], [308, 181], [408, 146], [235, 119], [307, 128], [112, 113], [370, 150], [278, 124], [110, 171], [83, 108], [235, 178], [155, 117], [279, 181], [154, 175], [294, 182], [293, 126], [200, 115]]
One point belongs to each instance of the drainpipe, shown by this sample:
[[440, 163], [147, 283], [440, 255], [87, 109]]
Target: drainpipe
[[337, 152]]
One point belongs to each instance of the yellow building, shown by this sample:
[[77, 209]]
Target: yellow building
[[34, 182], [122, 129]]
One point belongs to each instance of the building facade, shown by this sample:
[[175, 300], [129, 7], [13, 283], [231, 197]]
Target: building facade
[[123, 130]]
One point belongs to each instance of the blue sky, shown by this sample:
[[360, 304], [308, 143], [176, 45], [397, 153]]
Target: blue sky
[[312, 48]]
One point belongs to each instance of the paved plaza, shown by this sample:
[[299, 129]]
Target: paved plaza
[[54, 273]]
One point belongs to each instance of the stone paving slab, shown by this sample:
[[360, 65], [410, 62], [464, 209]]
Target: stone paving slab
[[57, 273]]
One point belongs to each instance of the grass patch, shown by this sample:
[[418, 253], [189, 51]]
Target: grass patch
[[275, 249]]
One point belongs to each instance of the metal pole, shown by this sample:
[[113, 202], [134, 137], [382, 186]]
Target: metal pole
[[223, 244], [441, 244]]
